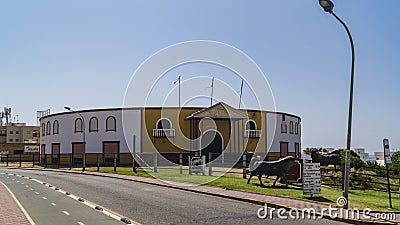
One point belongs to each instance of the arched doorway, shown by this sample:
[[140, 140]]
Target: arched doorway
[[211, 142]]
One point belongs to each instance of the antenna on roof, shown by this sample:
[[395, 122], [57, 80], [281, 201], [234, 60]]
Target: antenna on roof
[[212, 90], [241, 91]]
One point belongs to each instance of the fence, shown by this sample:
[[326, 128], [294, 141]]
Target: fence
[[366, 178]]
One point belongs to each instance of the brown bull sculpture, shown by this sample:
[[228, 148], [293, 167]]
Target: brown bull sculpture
[[277, 168]]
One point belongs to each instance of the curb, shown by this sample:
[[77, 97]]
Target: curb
[[248, 200]]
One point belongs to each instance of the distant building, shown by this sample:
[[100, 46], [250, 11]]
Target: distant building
[[364, 156], [379, 158], [15, 136]]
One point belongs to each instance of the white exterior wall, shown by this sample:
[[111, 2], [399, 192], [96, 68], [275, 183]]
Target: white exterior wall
[[274, 132], [94, 140]]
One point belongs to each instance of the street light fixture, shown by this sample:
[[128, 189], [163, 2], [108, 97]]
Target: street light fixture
[[327, 5], [83, 136]]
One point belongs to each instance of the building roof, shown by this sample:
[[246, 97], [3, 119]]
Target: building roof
[[220, 110]]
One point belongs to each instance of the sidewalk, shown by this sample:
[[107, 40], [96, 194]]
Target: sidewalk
[[260, 199], [10, 212]]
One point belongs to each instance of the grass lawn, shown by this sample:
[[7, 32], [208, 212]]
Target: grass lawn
[[360, 199]]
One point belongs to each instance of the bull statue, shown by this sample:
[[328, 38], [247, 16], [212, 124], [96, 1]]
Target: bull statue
[[325, 159], [277, 168]]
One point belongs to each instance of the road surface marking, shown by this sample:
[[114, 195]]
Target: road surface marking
[[19, 205], [44, 197], [66, 213], [27, 186], [31, 189], [37, 193], [53, 204], [80, 223], [17, 181]]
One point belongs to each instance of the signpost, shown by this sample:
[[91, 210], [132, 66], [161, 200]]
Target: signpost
[[196, 164], [311, 179], [388, 160], [31, 148]]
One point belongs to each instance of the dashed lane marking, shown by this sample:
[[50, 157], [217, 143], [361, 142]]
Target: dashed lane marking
[[53, 204], [44, 198], [66, 213]]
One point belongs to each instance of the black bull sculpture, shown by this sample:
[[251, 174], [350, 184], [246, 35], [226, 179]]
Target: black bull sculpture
[[277, 168], [325, 159]]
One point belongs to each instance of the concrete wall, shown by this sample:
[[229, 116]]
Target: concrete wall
[[94, 140]]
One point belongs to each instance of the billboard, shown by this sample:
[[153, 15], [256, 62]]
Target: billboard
[[31, 148]]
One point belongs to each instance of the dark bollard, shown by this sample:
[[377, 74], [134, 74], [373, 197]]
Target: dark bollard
[[180, 163], [244, 166], [33, 160], [98, 163], [20, 160], [115, 163], [7, 161], [70, 161]]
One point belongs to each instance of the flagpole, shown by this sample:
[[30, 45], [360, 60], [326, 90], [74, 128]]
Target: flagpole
[[212, 90], [179, 88], [241, 91]]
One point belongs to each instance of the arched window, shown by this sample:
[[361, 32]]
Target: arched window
[[299, 128], [163, 124], [43, 130], [111, 124], [164, 128], [251, 129], [296, 128], [283, 127], [78, 125], [251, 125], [93, 125], [55, 127], [48, 128], [291, 127]]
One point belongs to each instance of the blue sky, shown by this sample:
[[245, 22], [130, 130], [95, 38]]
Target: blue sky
[[83, 54]]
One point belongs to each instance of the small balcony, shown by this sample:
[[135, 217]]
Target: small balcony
[[252, 133], [163, 132]]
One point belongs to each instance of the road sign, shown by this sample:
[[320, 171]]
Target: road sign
[[311, 178], [197, 164], [31, 148], [386, 151]]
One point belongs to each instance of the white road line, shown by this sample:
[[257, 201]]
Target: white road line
[[53, 204], [37, 193], [19, 205], [80, 223], [13, 179], [44, 198], [27, 186], [22, 183], [31, 189], [17, 181], [66, 213]]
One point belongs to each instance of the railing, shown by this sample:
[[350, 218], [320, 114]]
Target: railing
[[252, 133], [163, 132]]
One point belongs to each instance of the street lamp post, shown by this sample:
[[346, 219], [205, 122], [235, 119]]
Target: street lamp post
[[327, 5], [83, 137]]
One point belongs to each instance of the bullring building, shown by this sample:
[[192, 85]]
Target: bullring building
[[217, 129]]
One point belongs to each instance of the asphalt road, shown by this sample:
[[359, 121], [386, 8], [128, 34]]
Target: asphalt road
[[47, 206], [150, 204]]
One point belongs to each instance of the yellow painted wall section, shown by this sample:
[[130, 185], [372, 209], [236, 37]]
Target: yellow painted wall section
[[177, 116]]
